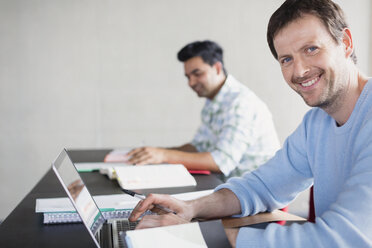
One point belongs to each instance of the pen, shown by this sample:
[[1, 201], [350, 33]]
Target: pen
[[142, 197]]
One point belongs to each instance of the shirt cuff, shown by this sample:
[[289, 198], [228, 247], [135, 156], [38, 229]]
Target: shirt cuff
[[223, 163], [237, 194]]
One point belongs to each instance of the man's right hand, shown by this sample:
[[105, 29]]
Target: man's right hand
[[182, 211]]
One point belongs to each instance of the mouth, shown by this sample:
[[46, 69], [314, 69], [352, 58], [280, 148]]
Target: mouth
[[197, 88], [308, 84]]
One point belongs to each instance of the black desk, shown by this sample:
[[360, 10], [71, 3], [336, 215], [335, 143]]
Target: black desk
[[24, 228]]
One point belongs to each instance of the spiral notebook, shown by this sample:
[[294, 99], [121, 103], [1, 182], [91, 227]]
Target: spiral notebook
[[73, 217], [60, 210]]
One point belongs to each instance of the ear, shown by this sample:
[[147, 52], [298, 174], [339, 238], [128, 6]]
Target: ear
[[347, 41], [218, 66]]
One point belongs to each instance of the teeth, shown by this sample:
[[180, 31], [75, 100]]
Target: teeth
[[310, 82]]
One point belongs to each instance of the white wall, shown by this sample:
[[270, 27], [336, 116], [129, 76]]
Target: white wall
[[93, 73]]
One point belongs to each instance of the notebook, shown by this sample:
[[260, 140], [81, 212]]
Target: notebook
[[103, 230], [73, 217]]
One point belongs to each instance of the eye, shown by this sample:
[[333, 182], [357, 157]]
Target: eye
[[311, 49], [285, 60], [198, 74]]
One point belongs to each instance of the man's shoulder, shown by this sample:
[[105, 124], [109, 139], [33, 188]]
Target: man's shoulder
[[237, 91], [235, 85]]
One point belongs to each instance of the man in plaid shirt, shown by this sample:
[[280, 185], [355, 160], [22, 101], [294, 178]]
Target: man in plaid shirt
[[237, 133]]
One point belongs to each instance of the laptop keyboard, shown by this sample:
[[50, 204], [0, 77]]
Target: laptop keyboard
[[122, 226], [125, 225], [118, 223]]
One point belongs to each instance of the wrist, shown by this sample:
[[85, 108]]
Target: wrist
[[191, 205], [165, 156], [170, 156]]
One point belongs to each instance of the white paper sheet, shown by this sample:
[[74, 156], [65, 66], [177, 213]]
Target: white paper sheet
[[180, 236], [95, 166]]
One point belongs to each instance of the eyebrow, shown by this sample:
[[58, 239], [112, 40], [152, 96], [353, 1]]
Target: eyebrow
[[192, 72], [307, 44], [282, 56]]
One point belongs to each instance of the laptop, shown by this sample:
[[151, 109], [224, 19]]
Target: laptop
[[105, 229]]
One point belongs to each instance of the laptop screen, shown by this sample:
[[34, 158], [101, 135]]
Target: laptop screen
[[78, 192]]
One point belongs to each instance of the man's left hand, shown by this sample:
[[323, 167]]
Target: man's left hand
[[147, 155]]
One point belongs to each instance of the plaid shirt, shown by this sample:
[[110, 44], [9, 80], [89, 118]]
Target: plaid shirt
[[237, 129]]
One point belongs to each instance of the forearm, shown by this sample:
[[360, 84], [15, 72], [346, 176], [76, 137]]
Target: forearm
[[192, 160], [219, 204], [155, 155], [185, 148]]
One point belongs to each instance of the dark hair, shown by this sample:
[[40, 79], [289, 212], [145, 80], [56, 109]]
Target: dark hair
[[209, 51], [327, 11]]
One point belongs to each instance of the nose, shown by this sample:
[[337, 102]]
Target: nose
[[191, 81], [300, 68]]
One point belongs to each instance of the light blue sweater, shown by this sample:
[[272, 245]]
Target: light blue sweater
[[338, 160]]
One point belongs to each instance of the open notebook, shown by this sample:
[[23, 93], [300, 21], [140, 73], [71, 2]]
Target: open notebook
[[150, 176], [154, 176]]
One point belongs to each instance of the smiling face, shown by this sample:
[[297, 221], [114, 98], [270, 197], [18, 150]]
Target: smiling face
[[204, 79], [312, 62]]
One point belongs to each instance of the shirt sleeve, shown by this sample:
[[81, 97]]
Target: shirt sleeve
[[347, 222], [277, 182]]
